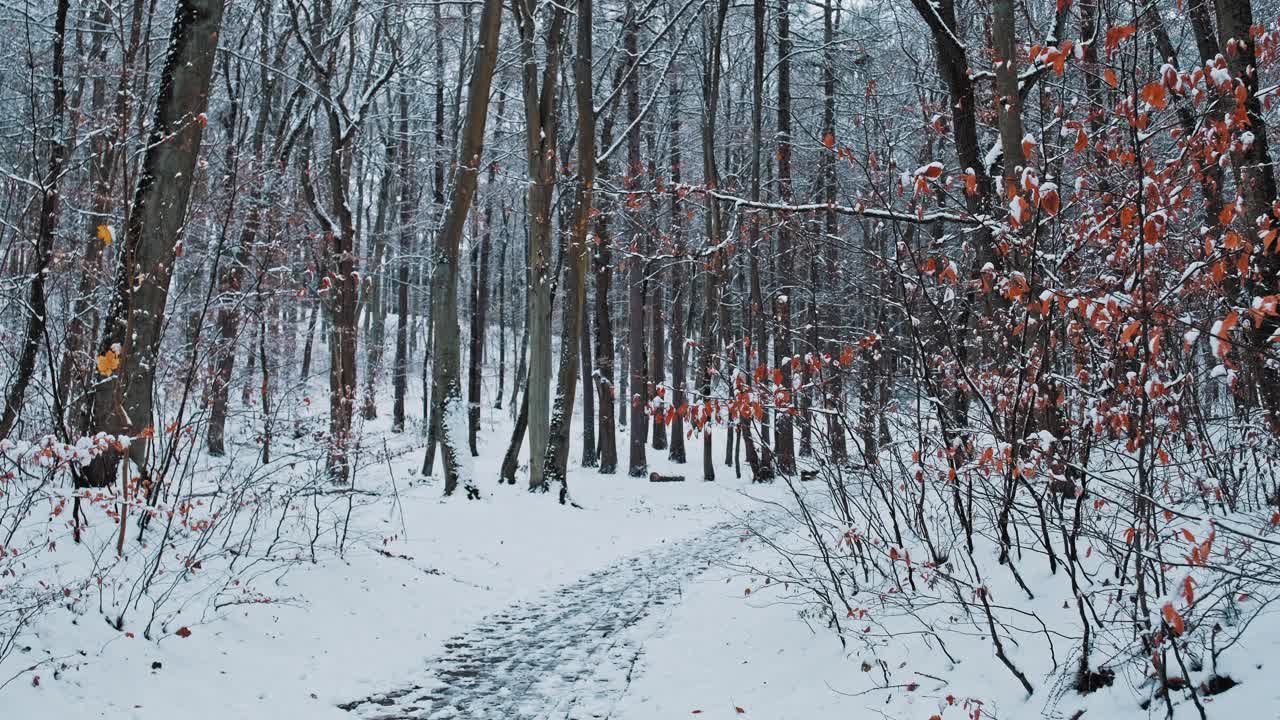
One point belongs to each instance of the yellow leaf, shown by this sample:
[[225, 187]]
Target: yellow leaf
[[105, 234], [108, 363]]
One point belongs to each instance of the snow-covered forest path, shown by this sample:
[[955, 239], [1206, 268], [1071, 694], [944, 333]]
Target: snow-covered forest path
[[567, 654]]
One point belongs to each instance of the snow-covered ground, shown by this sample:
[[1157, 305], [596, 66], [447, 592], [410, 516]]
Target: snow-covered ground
[[418, 570], [650, 600]]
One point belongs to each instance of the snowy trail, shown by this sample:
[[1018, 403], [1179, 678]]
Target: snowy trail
[[568, 654]]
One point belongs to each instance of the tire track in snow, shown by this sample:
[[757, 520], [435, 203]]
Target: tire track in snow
[[567, 654]]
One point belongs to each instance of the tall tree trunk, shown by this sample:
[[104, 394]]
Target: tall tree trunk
[[1008, 97], [480, 299], [624, 376], [541, 124], [438, 184], [833, 390], [657, 361], [1256, 185], [602, 265], [784, 435], [576, 264], [502, 315], [309, 341], [953, 67], [340, 283], [679, 281], [446, 390], [122, 401], [406, 205], [636, 262], [590, 455], [37, 318], [711, 277], [757, 352], [374, 303], [106, 148]]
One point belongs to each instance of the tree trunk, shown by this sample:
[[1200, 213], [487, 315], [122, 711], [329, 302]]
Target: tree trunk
[[429, 416], [757, 353], [1256, 184], [590, 455], [576, 265], [308, 343], [511, 461], [638, 399], [446, 391], [540, 138], [711, 277], [480, 300], [502, 316], [374, 306], [784, 435], [833, 387], [679, 282], [122, 402], [607, 438], [406, 205], [49, 207], [106, 148]]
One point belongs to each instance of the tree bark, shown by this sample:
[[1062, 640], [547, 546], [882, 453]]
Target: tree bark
[[446, 391], [406, 205], [540, 139], [590, 454], [711, 276], [576, 265], [106, 149], [784, 435], [480, 299], [374, 305], [1256, 184], [602, 262], [37, 318], [756, 353], [638, 400], [833, 389], [679, 282], [122, 401]]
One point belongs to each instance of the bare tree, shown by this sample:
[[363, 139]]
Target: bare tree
[[575, 285], [446, 389], [122, 397], [37, 318], [541, 125]]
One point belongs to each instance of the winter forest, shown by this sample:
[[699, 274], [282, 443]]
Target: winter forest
[[639, 359]]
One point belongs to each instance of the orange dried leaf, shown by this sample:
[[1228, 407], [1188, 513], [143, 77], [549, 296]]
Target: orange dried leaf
[[108, 363], [1153, 94], [1174, 620]]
